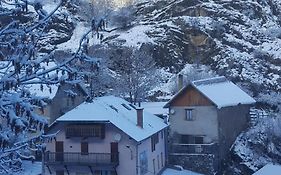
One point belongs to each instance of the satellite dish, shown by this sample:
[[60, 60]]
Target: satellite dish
[[117, 137], [172, 111]]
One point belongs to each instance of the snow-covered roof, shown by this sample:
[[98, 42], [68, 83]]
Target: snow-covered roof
[[46, 91], [156, 108], [269, 169], [220, 91], [170, 171], [117, 111]]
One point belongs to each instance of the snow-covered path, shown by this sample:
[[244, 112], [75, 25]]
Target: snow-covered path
[[73, 43]]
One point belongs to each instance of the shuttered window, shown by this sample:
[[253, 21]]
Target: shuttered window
[[84, 148]]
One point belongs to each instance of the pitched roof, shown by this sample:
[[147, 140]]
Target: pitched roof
[[220, 91], [155, 108], [117, 111], [50, 91]]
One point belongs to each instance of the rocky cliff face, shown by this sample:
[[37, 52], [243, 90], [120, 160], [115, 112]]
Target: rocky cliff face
[[238, 39]]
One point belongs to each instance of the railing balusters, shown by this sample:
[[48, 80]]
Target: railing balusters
[[74, 158]]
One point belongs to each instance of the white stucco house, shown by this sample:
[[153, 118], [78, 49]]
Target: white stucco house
[[107, 136]]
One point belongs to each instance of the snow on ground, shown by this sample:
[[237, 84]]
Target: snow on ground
[[50, 5], [136, 36], [30, 168], [269, 169], [170, 171], [73, 43]]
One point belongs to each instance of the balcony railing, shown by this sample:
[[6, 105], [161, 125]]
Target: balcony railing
[[181, 148], [94, 130], [93, 159]]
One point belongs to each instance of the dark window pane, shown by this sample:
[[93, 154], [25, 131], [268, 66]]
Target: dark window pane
[[84, 148]]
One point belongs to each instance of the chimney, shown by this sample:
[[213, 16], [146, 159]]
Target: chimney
[[180, 82], [139, 116]]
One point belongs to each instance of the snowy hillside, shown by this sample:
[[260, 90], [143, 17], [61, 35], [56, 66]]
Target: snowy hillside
[[238, 39], [200, 38]]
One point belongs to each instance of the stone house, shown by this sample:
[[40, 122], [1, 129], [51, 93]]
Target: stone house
[[106, 136], [59, 98], [205, 117]]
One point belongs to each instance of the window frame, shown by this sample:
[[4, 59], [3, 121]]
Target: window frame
[[192, 139], [143, 162], [154, 141], [84, 148], [189, 114]]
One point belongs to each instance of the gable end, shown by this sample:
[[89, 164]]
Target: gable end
[[191, 97]]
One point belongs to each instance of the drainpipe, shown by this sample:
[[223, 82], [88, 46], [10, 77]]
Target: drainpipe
[[137, 160]]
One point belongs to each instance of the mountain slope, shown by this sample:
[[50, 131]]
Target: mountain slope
[[238, 39]]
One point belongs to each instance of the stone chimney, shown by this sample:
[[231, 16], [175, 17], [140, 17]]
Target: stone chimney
[[139, 117], [180, 82]]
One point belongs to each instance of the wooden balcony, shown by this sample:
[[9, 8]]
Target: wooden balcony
[[85, 130], [195, 149], [75, 158]]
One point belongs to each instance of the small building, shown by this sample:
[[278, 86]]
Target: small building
[[59, 98], [205, 118], [107, 136], [56, 97]]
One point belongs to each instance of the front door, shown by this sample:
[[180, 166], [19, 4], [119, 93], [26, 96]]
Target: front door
[[114, 151], [59, 151]]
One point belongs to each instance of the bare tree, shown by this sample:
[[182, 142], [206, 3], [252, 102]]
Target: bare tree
[[137, 74], [95, 8]]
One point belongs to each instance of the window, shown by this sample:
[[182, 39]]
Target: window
[[81, 173], [154, 141], [112, 173], [67, 102], [59, 172], [185, 139], [162, 134], [189, 114], [97, 172], [162, 163], [158, 162], [125, 106], [143, 163], [191, 139], [84, 148], [198, 139], [154, 166]]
